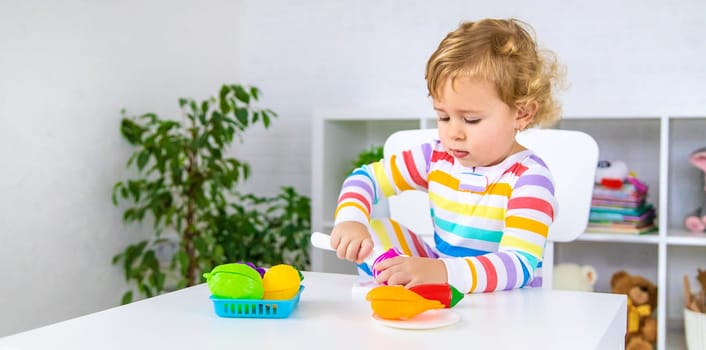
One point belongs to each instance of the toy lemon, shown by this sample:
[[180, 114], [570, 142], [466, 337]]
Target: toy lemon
[[236, 281], [281, 282]]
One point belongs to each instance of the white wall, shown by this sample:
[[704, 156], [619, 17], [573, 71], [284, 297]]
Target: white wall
[[67, 68]]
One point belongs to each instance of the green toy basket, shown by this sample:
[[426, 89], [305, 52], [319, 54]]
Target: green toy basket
[[255, 308]]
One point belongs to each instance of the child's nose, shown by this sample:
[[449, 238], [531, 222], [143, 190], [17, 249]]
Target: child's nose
[[456, 129]]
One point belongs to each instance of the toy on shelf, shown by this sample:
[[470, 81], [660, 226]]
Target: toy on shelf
[[611, 174], [619, 203], [695, 301], [642, 301], [696, 220], [574, 277]]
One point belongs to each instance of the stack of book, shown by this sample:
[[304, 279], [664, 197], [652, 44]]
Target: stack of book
[[621, 210]]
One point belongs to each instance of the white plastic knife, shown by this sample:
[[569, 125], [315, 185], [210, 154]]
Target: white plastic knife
[[323, 241]]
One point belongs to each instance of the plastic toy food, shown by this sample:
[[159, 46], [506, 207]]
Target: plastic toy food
[[399, 303], [237, 281], [443, 292], [281, 282], [239, 291], [389, 254], [260, 270]]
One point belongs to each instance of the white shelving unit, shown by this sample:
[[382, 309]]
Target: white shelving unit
[[655, 147]]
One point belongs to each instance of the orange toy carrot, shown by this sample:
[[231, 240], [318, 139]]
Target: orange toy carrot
[[399, 303]]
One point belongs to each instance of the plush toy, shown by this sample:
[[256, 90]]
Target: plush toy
[[574, 277], [695, 301], [696, 220], [613, 174], [642, 301], [701, 277]]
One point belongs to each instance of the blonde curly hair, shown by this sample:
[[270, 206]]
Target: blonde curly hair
[[501, 51]]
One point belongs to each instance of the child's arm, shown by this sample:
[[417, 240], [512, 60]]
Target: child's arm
[[365, 186], [530, 212]]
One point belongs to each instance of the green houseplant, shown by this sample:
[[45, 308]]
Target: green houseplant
[[187, 186], [369, 155]]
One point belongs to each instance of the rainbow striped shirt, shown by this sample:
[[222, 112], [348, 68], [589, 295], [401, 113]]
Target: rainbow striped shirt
[[490, 223]]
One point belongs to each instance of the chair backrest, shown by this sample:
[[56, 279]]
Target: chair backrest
[[571, 157]]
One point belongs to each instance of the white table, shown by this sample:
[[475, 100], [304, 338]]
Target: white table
[[328, 315]]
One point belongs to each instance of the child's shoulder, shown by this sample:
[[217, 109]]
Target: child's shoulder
[[431, 145], [534, 164], [525, 162]]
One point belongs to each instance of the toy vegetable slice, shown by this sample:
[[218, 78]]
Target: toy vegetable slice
[[399, 303], [235, 281], [443, 292]]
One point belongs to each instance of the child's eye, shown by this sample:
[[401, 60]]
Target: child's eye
[[471, 120], [443, 118]]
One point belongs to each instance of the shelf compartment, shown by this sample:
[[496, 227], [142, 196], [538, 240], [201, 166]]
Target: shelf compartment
[[682, 261], [685, 238], [675, 334], [636, 141], [686, 182], [608, 257], [616, 237]]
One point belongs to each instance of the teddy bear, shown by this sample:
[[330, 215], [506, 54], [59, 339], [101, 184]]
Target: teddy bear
[[642, 301], [574, 277], [696, 220]]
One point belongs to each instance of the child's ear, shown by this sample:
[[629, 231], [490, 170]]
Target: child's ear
[[525, 113]]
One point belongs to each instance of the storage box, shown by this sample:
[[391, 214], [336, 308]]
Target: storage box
[[695, 330]]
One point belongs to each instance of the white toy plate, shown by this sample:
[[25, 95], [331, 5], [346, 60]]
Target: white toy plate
[[426, 320]]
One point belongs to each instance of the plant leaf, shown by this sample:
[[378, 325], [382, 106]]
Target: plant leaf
[[241, 94], [242, 115], [142, 159], [127, 298]]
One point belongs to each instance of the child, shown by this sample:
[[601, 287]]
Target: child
[[491, 199]]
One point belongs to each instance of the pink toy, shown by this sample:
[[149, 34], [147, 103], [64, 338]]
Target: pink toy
[[390, 253], [696, 220]]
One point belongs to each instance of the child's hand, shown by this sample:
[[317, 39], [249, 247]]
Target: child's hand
[[410, 271], [351, 241]]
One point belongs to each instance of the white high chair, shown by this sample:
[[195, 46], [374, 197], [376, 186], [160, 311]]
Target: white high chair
[[571, 157]]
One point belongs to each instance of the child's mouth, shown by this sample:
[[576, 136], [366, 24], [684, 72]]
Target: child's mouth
[[459, 154]]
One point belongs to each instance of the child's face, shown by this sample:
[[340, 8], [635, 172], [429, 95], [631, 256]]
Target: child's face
[[475, 126]]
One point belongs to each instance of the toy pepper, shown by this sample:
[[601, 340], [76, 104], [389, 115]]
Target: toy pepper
[[443, 292]]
